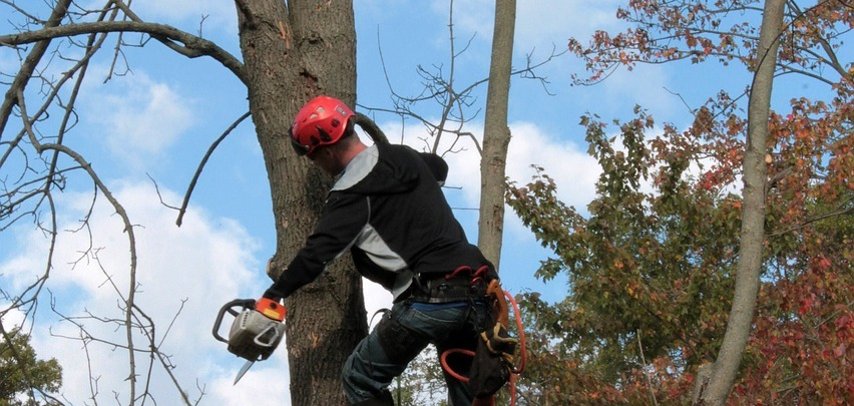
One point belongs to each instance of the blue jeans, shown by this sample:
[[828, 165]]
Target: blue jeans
[[402, 334]]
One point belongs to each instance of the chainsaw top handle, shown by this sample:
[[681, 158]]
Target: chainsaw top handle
[[229, 307]]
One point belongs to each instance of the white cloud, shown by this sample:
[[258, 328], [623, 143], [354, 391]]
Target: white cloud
[[574, 171], [141, 117], [545, 22], [376, 298], [200, 266], [195, 268], [266, 384], [644, 85], [11, 319]]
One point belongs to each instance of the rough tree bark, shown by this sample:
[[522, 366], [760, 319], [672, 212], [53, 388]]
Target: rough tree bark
[[749, 265], [496, 134], [293, 52]]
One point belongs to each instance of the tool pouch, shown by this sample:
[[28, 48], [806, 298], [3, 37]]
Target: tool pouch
[[493, 358], [489, 371]]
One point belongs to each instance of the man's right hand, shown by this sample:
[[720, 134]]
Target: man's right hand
[[273, 293], [275, 273]]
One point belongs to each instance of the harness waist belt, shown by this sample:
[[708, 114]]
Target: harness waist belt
[[441, 290]]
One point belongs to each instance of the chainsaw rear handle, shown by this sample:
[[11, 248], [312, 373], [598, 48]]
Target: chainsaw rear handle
[[229, 308]]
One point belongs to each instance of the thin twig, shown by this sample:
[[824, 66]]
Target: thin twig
[[160, 196]]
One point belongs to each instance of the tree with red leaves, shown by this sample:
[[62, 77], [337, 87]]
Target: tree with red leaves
[[652, 274]]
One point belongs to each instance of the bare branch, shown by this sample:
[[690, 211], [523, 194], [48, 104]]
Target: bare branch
[[92, 46], [201, 166], [155, 350], [456, 104], [844, 209], [128, 228], [643, 362], [30, 63], [193, 46]]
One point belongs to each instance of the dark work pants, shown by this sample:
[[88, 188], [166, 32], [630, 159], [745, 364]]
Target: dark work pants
[[402, 334]]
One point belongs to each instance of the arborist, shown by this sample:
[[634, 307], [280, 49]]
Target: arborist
[[387, 208]]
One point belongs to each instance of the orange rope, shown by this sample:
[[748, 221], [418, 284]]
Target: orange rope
[[444, 360], [523, 351]]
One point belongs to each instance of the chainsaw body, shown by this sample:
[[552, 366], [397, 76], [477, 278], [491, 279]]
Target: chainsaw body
[[257, 328]]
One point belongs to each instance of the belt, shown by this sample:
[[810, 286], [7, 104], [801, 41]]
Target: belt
[[450, 287]]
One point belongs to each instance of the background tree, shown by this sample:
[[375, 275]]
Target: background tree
[[496, 134], [651, 270], [24, 375], [285, 60], [648, 271], [695, 32]]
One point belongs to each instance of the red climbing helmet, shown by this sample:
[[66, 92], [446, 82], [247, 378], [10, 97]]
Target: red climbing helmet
[[321, 121]]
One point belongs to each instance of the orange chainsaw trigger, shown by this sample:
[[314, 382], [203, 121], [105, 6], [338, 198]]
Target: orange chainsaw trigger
[[271, 309]]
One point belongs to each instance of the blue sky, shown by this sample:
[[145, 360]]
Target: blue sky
[[159, 119]]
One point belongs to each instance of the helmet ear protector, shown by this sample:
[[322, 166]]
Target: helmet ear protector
[[300, 149], [322, 121]]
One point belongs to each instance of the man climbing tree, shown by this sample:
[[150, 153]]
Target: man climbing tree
[[386, 206]]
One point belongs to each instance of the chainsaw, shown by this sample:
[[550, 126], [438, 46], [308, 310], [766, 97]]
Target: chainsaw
[[256, 331]]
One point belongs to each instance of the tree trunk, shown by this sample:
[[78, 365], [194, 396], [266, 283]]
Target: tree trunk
[[496, 134], [293, 52], [753, 212]]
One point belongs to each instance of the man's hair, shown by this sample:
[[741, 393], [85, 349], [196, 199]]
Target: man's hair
[[346, 141]]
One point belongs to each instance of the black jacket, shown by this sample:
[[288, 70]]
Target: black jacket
[[388, 209]]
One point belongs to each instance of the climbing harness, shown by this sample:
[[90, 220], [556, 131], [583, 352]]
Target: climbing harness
[[492, 362]]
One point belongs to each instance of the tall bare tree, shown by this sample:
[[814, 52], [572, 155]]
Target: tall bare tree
[[291, 51], [496, 134]]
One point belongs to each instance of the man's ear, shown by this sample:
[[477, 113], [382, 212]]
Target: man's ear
[[327, 152]]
